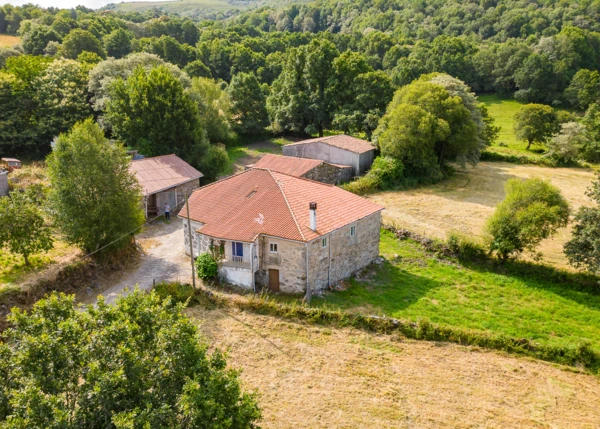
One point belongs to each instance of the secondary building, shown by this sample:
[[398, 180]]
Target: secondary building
[[282, 232], [313, 169], [339, 149], [164, 180]]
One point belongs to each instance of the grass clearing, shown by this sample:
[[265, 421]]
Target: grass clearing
[[464, 201], [249, 153], [8, 41], [414, 284], [312, 376], [14, 271]]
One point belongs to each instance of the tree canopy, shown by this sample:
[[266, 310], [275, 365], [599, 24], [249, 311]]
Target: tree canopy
[[94, 197], [139, 363]]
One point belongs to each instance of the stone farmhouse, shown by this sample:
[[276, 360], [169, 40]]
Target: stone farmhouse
[[282, 232], [313, 169], [164, 179], [339, 149]]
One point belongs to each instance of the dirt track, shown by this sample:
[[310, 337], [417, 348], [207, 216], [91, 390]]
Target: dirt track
[[466, 200], [163, 259]]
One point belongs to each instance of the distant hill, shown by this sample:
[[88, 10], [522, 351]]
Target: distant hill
[[209, 9]]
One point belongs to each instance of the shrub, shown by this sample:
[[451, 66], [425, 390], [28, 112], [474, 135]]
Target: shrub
[[516, 159], [532, 211], [178, 292], [385, 173], [467, 248], [207, 267]]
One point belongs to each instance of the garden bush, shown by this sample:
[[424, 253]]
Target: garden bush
[[178, 292], [207, 267]]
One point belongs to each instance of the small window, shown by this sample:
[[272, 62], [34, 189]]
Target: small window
[[352, 230], [324, 242], [273, 247]]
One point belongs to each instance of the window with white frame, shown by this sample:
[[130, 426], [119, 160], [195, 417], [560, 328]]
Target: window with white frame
[[352, 230], [324, 242], [273, 247]]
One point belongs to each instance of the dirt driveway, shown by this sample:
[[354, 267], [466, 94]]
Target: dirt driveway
[[465, 201], [163, 259]]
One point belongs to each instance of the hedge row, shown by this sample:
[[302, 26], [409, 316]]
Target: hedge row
[[487, 155], [580, 355]]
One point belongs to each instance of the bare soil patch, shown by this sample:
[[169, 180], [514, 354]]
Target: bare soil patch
[[464, 202], [310, 376]]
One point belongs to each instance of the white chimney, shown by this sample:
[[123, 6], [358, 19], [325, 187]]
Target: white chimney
[[313, 216]]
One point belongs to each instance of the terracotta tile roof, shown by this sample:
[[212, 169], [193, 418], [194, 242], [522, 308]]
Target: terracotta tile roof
[[259, 201], [163, 172], [342, 141], [287, 164]]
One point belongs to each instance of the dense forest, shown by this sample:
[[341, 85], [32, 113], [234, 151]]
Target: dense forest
[[157, 82]]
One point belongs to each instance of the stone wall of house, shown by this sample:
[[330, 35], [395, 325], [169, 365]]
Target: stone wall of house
[[290, 261], [3, 183], [331, 174], [200, 242], [348, 253]]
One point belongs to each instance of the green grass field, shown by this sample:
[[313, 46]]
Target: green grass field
[[504, 111], [413, 284]]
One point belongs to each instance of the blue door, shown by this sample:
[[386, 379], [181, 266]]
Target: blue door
[[237, 249]]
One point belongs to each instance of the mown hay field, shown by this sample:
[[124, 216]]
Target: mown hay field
[[7, 41], [464, 202], [312, 376]]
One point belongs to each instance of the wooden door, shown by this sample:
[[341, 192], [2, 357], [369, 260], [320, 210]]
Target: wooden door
[[274, 280]]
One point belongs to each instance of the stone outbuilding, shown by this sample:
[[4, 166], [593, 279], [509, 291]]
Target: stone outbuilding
[[282, 232], [339, 149], [164, 179], [313, 169]]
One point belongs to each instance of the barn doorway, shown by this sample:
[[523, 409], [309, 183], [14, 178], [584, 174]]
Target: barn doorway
[[274, 280]]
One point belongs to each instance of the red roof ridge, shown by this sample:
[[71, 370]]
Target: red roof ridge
[[287, 203]]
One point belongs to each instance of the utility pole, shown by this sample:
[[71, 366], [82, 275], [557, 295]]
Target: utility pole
[[187, 206]]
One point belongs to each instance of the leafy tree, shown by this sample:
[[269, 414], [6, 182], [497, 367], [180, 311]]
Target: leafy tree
[[591, 148], [151, 112], [214, 107], [137, 364], [535, 123], [22, 227], [197, 69], [214, 162], [168, 48], [118, 43], [583, 250], [532, 211], [94, 197], [35, 41], [62, 97], [408, 133], [564, 147], [102, 76], [79, 40], [450, 129], [248, 104], [536, 80], [584, 89]]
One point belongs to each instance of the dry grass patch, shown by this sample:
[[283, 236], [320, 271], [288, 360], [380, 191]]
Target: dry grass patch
[[310, 376], [7, 41], [464, 202]]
